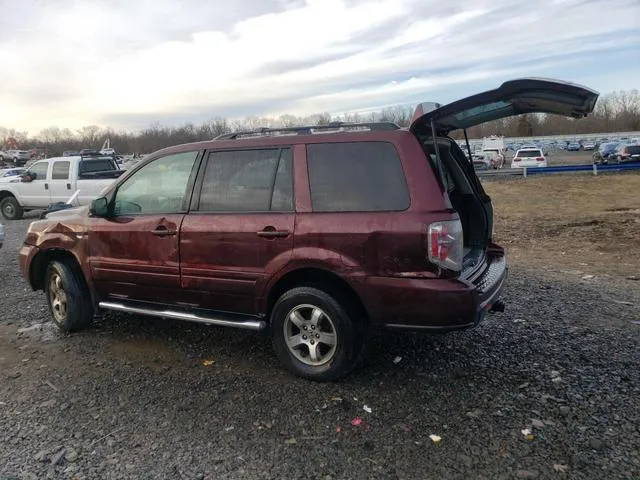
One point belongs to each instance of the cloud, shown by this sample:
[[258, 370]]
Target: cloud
[[129, 63]]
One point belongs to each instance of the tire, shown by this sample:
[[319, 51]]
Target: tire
[[67, 295], [338, 322], [11, 209]]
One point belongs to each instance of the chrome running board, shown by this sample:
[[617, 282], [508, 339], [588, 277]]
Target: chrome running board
[[220, 319]]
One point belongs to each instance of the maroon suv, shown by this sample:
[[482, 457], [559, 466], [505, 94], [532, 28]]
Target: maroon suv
[[317, 233]]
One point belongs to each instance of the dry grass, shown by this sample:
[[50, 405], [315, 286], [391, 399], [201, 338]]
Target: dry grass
[[580, 223]]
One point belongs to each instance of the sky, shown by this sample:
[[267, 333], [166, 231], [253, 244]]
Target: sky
[[129, 63]]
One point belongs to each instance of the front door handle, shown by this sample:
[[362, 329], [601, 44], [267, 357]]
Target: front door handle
[[46, 186], [68, 186], [271, 232], [162, 231]]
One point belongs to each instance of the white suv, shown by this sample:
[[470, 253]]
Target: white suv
[[529, 157]]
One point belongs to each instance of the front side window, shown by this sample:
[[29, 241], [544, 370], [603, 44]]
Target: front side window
[[60, 170], [356, 177], [248, 181], [39, 170], [158, 187]]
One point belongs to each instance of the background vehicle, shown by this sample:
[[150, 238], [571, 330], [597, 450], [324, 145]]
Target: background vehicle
[[319, 234], [628, 153], [605, 152], [529, 157], [573, 147], [55, 180], [589, 145], [19, 157]]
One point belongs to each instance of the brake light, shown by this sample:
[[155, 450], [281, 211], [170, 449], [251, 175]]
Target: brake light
[[445, 244], [540, 159]]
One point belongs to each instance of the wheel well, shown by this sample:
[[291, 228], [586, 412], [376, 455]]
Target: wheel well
[[41, 261], [321, 279], [4, 194]]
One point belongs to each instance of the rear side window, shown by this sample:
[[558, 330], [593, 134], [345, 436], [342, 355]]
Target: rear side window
[[60, 171], [248, 181], [356, 177]]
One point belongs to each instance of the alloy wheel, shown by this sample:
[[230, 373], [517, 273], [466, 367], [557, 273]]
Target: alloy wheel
[[310, 335]]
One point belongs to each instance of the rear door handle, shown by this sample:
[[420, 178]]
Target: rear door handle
[[271, 232], [46, 186], [162, 231]]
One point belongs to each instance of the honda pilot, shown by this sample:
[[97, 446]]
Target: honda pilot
[[317, 234]]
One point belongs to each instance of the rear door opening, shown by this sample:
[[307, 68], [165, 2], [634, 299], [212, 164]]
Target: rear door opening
[[432, 124], [465, 198]]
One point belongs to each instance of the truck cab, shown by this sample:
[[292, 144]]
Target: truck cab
[[55, 180]]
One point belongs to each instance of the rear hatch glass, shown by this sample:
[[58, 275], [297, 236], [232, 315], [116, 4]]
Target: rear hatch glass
[[529, 154]]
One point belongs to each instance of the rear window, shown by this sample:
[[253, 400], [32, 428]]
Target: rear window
[[356, 177], [96, 165], [529, 153]]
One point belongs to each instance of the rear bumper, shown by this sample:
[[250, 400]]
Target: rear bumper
[[438, 304]]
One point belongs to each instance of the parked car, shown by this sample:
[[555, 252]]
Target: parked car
[[529, 157], [19, 157], [11, 174], [605, 152], [573, 147], [628, 153], [317, 234], [589, 145], [55, 180]]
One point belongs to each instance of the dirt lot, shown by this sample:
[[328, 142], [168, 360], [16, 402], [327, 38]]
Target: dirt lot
[[580, 224], [130, 397]]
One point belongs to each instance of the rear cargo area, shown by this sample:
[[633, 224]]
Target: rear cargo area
[[464, 197]]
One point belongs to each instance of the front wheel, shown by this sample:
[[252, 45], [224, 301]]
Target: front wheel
[[316, 336], [11, 209], [67, 296]]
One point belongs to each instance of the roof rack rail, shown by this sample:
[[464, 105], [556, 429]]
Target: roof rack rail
[[310, 129]]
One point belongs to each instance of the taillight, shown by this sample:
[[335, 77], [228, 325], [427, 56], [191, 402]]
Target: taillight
[[445, 243], [540, 159]]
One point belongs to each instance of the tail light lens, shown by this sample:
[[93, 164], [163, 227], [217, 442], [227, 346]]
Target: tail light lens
[[540, 159], [445, 243]]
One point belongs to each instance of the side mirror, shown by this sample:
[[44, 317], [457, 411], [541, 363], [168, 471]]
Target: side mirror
[[99, 207]]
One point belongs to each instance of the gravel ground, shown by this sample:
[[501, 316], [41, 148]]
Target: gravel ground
[[131, 398]]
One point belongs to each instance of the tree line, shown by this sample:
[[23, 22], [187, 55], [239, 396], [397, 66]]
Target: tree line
[[615, 112]]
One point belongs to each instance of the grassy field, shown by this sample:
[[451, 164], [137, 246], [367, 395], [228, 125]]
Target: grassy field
[[581, 224]]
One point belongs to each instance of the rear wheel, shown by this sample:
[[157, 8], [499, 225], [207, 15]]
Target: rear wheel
[[11, 209], [316, 336], [68, 296]]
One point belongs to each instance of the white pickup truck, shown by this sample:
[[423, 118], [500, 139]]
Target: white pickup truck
[[55, 180]]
